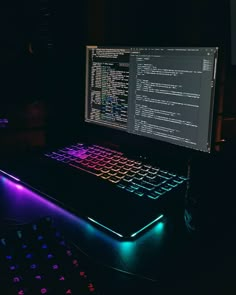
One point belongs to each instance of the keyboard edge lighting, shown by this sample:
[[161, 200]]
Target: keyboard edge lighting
[[9, 175], [146, 226], [107, 228]]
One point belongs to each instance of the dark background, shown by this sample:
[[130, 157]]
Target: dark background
[[42, 87]]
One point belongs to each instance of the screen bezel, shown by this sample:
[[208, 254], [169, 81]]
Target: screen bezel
[[169, 146]]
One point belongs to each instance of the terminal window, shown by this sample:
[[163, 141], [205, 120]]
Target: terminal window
[[163, 93]]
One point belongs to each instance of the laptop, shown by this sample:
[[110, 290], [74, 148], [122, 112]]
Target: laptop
[[147, 109]]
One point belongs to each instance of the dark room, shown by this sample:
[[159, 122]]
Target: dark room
[[117, 147]]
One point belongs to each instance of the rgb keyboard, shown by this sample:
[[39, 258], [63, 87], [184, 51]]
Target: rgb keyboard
[[36, 259], [134, 176]]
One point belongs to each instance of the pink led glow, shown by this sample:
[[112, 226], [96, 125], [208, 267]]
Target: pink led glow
[[18, 186]]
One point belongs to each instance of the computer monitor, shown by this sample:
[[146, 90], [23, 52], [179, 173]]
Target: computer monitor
[[163, 93]]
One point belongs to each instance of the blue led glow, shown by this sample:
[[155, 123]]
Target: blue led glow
[[62, 243], [50, 256], [9, 175], [57, 234], [29, 256], [142, 229], [33, 266], [107, 228]]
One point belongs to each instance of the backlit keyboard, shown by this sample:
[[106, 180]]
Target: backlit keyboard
[[36, 259], [128, 174]]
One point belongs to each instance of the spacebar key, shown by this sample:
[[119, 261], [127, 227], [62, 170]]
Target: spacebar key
[[86, 169], [143, 184]]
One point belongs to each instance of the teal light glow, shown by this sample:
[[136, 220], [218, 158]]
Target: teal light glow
[[107, 228], [91, 229], [159, 227], [127, 249], [158, 218]]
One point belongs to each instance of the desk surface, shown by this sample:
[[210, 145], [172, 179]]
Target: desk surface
[[162, 261]]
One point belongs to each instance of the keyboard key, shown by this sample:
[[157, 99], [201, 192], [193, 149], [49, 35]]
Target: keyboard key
[[105, 176], [120, 175], [153, 171], [105, 170], [127, 168], [130, 189], [123, 171], [116, 159], [112, 172], [164, 176], [86, 169], [59, 274], [178, 180], [113, 166], [146, 168], [172, 184], [145, 185], [128, 178], [156, 180], [139, 193], [98, 167], [166, 188], [154, 195], [130, 163], [121, 185], [135, 170], [123, 160], [114, 179], [130, 173], [138, 176], [160, 191], [137, 164], [142, 172], [108, 166]]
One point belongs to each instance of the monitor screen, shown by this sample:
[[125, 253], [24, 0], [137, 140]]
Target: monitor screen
[[166, 94]]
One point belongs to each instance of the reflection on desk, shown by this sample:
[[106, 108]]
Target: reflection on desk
[[161, 261]]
